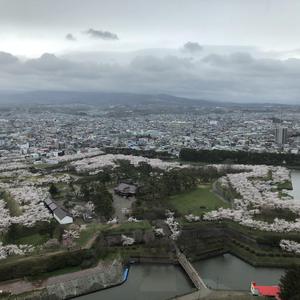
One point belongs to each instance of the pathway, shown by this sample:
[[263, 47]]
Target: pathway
[[191, 272]]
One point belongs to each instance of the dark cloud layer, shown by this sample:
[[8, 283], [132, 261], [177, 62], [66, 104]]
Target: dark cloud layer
[[192, 47], [234, 77], [100, 34]]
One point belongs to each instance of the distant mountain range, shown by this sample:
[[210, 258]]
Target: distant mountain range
[[110, 99], [97, 98]]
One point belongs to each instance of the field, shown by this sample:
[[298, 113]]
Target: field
[[197, 202]]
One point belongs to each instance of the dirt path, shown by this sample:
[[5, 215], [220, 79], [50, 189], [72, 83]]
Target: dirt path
[[122, 204]]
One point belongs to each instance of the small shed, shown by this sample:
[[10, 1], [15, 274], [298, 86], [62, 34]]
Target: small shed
[[126, 190]]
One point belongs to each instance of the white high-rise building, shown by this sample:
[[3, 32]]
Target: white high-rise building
[[281, 135]]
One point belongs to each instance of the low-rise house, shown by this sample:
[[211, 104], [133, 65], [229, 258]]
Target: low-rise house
[[125, 190], [265, 291], [60, 215]]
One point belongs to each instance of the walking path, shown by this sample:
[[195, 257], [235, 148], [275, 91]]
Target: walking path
[[191, 272]]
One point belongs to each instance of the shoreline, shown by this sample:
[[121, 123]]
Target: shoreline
[[70, 285], [44, 292]]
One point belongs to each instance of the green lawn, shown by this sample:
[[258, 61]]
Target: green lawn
[[34, 239], [87, 234], [197, 202]]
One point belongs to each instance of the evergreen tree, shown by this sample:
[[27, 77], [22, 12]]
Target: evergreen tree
[[53, 189], [290, 284], [102, 200], [85, 192]]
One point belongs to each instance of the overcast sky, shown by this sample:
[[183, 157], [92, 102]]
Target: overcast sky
[[215, 49]]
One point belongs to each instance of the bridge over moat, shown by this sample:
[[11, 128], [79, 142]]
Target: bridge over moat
[[191, 272], [188, 268]]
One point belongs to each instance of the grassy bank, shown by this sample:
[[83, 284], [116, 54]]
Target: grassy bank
[[255, 247]]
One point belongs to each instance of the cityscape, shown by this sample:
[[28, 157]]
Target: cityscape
[[149, 150], [47, 132]]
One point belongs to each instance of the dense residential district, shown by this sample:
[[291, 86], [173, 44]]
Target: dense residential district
[[85, 191]]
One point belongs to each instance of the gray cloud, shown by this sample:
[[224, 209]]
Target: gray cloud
[[192, 47], [70, 37], [100, 34], [234, 77], [154, 64], [7, 58], [231, 59], [48, 63]]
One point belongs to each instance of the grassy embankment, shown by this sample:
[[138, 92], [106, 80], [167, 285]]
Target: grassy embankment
[[256, 247]]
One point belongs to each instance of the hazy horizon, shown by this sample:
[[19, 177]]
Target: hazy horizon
[[232, 51]]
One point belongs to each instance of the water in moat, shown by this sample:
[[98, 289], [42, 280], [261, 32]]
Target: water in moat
[[231, 273], [152, 281], [296, 184], [147, 282]]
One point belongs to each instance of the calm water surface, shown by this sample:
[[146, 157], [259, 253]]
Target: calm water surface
[[147, 282], [160, 282], [230, 273], [296, 184]]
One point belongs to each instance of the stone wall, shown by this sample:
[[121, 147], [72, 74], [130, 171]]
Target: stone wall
[[101, 277]]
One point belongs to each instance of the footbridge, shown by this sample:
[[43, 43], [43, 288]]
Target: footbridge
[[191, 272]]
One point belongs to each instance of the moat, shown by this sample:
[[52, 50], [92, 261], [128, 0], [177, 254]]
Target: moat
[[296, 184], [148, 282], [228, 272], [158, 281]]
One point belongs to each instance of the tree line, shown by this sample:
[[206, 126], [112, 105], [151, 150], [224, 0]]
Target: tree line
[[239, 157], [144, 153]]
